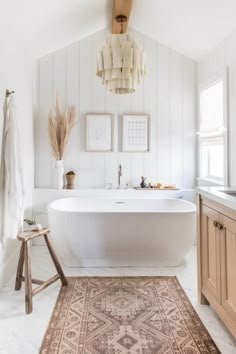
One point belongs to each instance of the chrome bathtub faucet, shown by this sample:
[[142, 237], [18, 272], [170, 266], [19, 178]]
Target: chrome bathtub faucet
[[119, 175]]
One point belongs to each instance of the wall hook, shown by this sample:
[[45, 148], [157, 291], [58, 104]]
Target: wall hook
[[8, 93]]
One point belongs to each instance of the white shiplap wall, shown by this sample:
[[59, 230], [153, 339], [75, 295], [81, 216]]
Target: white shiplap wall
[[168, 95], [224, 57]]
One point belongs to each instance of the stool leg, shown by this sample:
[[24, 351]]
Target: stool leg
[[55, 261], [19, 272], [28, 281]]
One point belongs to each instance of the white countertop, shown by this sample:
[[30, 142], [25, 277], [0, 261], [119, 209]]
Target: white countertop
[[217, 194]]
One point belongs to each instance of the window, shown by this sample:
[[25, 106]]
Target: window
[[212, 134]]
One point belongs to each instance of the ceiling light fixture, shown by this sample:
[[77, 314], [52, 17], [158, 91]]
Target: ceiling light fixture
[[121, 63]]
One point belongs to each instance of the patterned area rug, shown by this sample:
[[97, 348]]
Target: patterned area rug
[[130, 315]]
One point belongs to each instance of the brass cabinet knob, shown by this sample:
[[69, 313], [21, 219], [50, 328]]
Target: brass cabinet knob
[[220, 226], [215, 223]]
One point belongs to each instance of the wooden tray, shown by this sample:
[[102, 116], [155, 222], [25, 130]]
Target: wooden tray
[[157, 189]]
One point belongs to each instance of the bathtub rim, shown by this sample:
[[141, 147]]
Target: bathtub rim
[[52, 209]]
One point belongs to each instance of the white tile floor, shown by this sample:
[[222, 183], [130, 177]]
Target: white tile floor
[[23, 334]]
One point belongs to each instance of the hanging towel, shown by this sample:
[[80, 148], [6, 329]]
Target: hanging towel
[[13, 203]]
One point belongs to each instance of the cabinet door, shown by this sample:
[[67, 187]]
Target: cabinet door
[[228, 265], [210, 248]]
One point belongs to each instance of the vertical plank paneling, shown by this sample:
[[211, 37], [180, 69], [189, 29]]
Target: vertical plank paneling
[[167, 94], [137, 98], [111, 169], [44, 154], [176, 122], [59, 85], [85, 95], [189, 123], [59, 77], [137, 168], [213, 63], [85, 85], [91, 170], [163, 114], [72, 100], [36, 124], [231, 63], [112, 106], [124, 106], [98, 92], [112, 159], [137, 106], [217, 61], [150, 107], [124, 158], [98, 106]]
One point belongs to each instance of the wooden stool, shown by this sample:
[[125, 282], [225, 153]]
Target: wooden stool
[[25, 238]]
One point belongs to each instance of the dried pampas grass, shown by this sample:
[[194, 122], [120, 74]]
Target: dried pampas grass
[[59, 129]]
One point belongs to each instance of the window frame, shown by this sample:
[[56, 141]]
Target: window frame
[[211, 81]]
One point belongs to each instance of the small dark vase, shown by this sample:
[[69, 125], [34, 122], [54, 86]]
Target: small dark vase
[[143, 184]]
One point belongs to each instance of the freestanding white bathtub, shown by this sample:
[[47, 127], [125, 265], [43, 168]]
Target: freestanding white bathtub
[[131, 232]]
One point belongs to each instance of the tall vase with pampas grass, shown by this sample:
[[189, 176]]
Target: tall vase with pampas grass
[[60, 125]]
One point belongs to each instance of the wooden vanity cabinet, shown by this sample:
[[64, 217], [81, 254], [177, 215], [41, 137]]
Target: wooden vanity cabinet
[[217, 259]]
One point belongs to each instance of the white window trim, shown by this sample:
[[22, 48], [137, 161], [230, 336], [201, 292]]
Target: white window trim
[[220, 75], [210, 181]]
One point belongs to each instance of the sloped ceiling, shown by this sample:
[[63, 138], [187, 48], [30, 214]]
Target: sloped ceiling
[[192, 27]]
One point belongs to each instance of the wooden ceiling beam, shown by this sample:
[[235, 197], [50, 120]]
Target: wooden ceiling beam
[[121, 7]]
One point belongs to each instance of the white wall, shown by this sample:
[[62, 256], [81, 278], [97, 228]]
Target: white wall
[[168, 95], [222, 57], [16, 74]]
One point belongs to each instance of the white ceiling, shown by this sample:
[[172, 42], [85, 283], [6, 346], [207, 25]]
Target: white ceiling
[[192, 27]]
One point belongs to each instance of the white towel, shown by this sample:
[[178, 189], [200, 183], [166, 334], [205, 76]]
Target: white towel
[[13, 203]]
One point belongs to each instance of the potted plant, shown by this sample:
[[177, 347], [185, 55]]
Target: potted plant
[[33, 225], [70, 178], [59, 128]]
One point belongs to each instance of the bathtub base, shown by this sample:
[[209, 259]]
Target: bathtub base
[[117, 261]]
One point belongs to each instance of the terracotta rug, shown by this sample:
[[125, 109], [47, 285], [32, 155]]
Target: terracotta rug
[[130, 315]]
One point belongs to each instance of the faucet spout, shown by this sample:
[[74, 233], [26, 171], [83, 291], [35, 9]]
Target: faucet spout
[[119, 175]]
